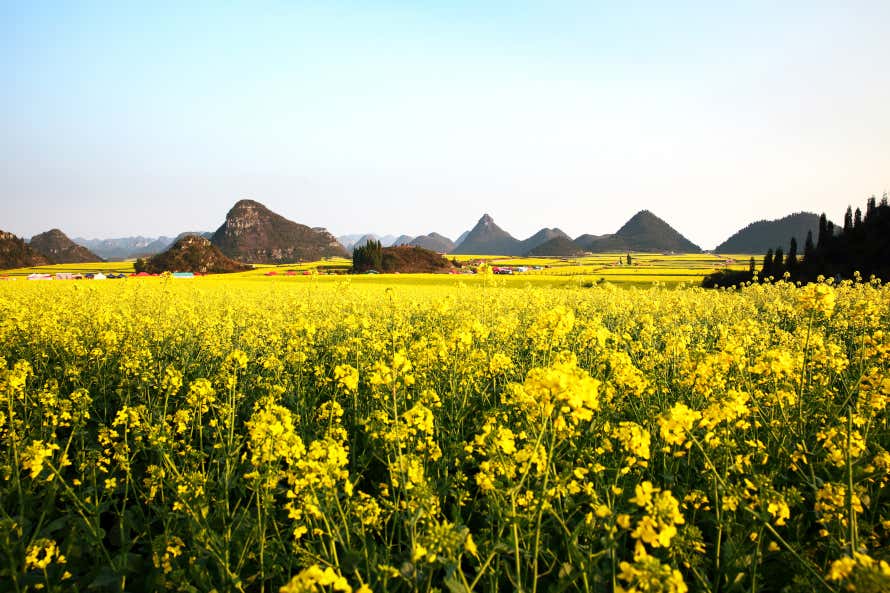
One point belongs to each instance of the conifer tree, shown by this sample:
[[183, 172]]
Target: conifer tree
[[791, 260], [848, 219], [367, 257], [778, 262], [823, 231], [808, 247], [857, 218], [870, 207], [767, 268]]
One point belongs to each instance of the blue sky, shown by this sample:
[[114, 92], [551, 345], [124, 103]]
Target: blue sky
[[126, 118]]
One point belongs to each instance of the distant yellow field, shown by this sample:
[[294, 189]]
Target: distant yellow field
[[116, 267], [646, 268]]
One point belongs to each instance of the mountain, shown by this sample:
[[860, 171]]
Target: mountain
[[206, 234], [587, 239], [55, 246], [254, 234], [348, 241], [363, 240], [460, 239], [487, 238], [557, 247], [433, 242], [542, 237], [15, 253], [643, 232], [125, 247], [760, 236], [192, 253], [402, 240]]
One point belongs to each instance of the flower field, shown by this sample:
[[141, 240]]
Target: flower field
[[233, 434]]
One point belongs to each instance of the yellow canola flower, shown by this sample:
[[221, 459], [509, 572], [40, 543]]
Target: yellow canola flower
[[677, 423], [314, 579], [42, 553], [35, 456]]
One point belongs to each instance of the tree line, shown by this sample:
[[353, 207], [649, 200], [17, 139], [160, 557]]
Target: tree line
[[862, 245]]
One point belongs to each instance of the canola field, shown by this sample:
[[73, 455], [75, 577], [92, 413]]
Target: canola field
[[226, 434], [646, 269]]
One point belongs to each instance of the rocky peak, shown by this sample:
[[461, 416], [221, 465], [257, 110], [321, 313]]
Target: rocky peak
[[59, 249], [254, 234]]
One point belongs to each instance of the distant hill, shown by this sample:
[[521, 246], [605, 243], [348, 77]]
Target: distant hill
[[860, 246], [557, 247], [763, 235], [401, 240], [192, 253], [541, 237], [587, 239], [643, 232], [125, 247], [350, 242], [254, 234], [460, 239], [487, 238], [433, 242], [55, 246], [403, 259], [412, 259], [363, 240], [15, 253], [347, 241]]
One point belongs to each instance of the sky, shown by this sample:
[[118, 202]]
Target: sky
[[153, 118]]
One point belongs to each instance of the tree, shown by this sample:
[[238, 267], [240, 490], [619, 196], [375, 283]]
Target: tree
[[139, 265], [629, 260], [823, 231], [857, 218], [808, 247], [778, 262], [848, 219], [367, 257], [791, 261], [870, 207], [752, 265], [767, 268]]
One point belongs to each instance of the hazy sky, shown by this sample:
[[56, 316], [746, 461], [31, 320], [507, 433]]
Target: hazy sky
[[152, 118]]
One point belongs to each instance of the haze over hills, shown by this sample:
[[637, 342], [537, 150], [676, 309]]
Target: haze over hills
[[15, 253], [763, 235], [433, 242], [401, 240], [121, 248], [541, 237], [557, 247], [363, 240], [487, 238], [192, 253], [354, 240], [254, 234], [56, 247]]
